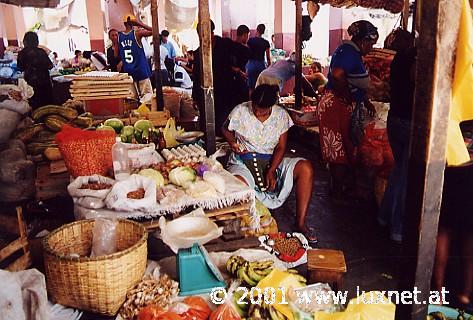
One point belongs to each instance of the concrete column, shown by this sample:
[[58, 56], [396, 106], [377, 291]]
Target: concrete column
[[226, 19], [116, 11], [3, 32], [14, 23], [96, 20], [278, 23], [335, 29]]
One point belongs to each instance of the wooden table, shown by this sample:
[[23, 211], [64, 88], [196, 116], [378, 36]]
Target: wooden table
[[326, 266]]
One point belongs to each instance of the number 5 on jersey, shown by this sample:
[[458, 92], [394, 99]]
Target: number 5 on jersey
[[128, 56]]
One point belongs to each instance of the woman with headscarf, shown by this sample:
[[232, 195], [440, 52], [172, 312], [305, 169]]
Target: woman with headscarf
[[36, 65], [257, 133], [341, 104]]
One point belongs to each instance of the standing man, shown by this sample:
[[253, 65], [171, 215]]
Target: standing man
[[258, 48], [133, 55], [222, 79], [166, 43], [240, 56]]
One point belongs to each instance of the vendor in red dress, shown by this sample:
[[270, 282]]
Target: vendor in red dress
[[344, 93]]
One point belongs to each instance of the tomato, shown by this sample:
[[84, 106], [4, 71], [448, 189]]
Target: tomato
[[150, 312], [169, 315]]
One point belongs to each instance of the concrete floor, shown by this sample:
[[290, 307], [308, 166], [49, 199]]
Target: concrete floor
[[370, 256]]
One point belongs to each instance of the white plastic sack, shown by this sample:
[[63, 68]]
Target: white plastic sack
[[142, 155], [76, 192], [8, 122], [117, 198], [23, 295], [15, 98], [90, 202], [193, 228]]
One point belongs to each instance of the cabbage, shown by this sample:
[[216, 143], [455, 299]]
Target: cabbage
[[181, 176], [154, 175]]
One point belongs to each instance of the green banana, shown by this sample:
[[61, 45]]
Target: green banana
[[241, 273], [300, 278], [294, 271], [273, 313], [255, 275], [280, 315], [262, 264]]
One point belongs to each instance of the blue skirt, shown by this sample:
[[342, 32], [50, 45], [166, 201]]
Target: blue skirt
[[285, 180]]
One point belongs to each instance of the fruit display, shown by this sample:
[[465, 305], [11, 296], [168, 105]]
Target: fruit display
[[38, 132], [265, 312], [249, 273]]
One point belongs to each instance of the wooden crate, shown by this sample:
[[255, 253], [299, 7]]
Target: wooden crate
[[327, 266], [50, 185], [19, 244]]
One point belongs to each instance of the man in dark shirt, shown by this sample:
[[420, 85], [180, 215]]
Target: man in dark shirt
[[402, 83], [258, 48], [222, 80], [240, 56]]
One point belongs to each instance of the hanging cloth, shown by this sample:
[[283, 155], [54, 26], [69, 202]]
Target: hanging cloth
[[462, 90]]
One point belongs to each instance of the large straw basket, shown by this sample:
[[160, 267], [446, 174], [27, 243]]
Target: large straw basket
[[94, 284]]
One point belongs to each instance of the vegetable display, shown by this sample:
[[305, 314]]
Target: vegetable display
[[181, 176]]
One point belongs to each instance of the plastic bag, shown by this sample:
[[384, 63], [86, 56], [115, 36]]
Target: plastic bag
[[8, 122], [281, 279], [227, 311], [75, 191], [192, 308], [359, 309], [104, 237], [375, 150], [170, 133], [142, 155], [16, 97], [86, 153], [118, 199], [89, 202], [309, 306]]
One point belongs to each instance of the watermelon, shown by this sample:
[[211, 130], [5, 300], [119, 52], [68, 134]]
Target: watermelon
[[115, 123]]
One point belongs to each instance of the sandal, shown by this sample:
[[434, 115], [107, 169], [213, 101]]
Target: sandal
[[310, 236]]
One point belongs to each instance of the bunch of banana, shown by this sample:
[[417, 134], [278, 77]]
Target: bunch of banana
[[240, 306], [264, 312], [298, 276], [249, 272]]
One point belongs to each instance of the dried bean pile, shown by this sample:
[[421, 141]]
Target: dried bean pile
[[137, 194], [96, 186], [287, 246]]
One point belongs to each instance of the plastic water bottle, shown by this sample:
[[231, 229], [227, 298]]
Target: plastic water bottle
[[121, 161]]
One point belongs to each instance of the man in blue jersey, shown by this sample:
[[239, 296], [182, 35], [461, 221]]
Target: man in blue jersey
[[133, 55]]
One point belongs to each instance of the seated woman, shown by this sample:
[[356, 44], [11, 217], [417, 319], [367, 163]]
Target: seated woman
[[257, 133]]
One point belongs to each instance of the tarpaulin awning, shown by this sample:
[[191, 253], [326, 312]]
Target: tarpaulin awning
[[394, 6], [33, 3]]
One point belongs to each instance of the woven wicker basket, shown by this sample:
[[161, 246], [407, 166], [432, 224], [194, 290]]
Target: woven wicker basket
[[94, 284]]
